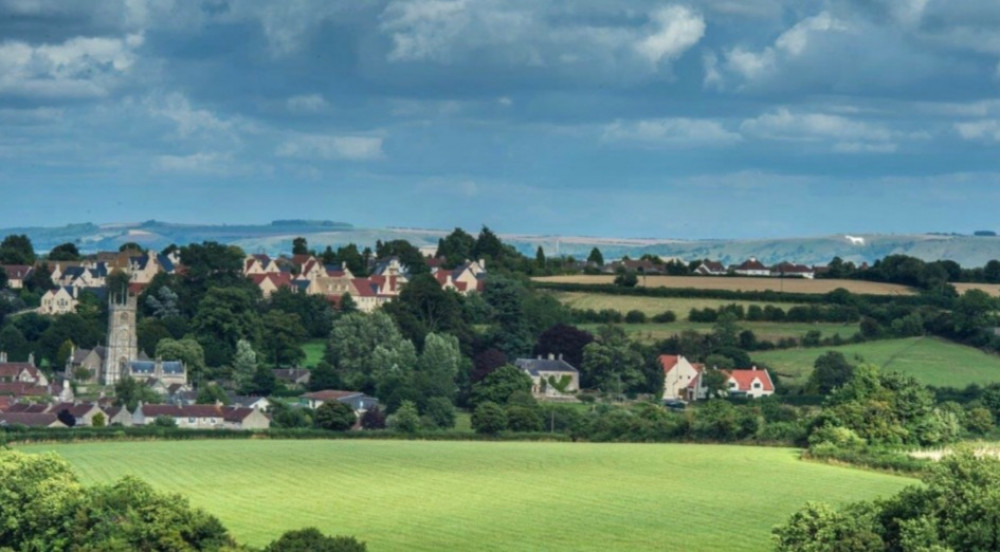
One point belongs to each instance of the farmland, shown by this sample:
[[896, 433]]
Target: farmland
[[788, 285], [649, 305], [772, 331], [416, 495], [931, 361]]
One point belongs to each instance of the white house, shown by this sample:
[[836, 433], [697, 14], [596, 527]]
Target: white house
[[755, 383], [681, 378]]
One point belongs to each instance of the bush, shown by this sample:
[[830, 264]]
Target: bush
[[489, 418], [523, 418], [441, 412], [335, 416], [312, 540], [635, 317], [665, 317], [373, 418], [406, 419]]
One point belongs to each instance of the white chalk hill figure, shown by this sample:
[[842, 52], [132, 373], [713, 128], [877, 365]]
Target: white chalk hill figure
[[855, 240]]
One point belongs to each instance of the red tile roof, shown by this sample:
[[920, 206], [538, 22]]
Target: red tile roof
[[744, 379], [16, 272], [329, 395]]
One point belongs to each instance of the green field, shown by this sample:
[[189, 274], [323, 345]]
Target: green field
[[681, 306], [314, 351], [930, 360], [422, 495], [772, 331]]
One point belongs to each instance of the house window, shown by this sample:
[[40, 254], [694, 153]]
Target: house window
[[756, 385], [191, 420]]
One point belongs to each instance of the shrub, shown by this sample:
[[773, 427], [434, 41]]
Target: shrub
[[489, 418], [406, 419], [312, 540], [635, 317]]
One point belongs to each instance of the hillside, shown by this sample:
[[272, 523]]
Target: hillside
[[277, 237]]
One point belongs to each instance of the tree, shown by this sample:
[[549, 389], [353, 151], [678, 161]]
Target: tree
[[489, 418], [523, 418], [211, 394], [98, 420], [212, 259], [500, 385], [540, 258], [40, 279], [17, 250], [566, 341], [347, 304], [13, 342], [66, 417], [224, 316], [612, 364], [991, 272], [133, 246], [626, 279], [456, 248], [437, 367], [335, 416], [409, 256], [352, 345], [323, 376], [488, 246], [64, 252], [150, 332], [300, 246], [3, 280], [716, 383], [441, 412], [282, 336], [186, 350], [314, 311], [311, 539], [164, 303], [830, 371], [263, 383], [373, 418], [129, 393], [423, 307], [406, 418], [485, 363], [973, 311], [595, 258]]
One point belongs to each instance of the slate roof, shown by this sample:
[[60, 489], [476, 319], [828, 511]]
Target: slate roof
[[31, 408], [536, 365], [28, 419], [17, 272], [185, 411], [79, 355]]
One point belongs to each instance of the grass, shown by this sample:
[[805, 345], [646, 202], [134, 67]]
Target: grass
[[932, 361], [772, 331], [314, 351], [681, 306], [789, 285], [419, 495]]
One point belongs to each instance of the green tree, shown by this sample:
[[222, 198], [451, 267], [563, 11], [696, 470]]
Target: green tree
[[626, 279], [973, 312], [595, 258], [117, 282], [13, 342], [500, 384], [438, 367], [129, 393], [540, 258], [489, 418], [186, 350], [211, 394], [150, 332], [282, 338], [830, 371], [40, 279], [612, 364], [65, 252], [351, 349], [406, 418], [323, 376], [423, 307], [17, 250], [488, 246], [99, 420], [300, 246], [335, 416], [224, 316], [456, 248], [311, 539], [441, 412], [132, 246], [263, 383]]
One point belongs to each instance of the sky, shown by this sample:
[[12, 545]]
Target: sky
[[700, 119]]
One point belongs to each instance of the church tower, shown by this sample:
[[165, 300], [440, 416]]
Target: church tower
[[122, 342]]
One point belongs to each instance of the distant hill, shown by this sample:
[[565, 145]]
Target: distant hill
[[276, 237]]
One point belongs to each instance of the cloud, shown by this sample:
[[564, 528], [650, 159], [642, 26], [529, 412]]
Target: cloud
[[351, 148], [201, 162], [306, 103], [189, 121], [984, 130], [679, 29], [676, 132], [846, 135], [81, 67]]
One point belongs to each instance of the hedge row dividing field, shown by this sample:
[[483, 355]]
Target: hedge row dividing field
[[681, 306], [739, 283], [419, 495], [930, 360], [772, 331]]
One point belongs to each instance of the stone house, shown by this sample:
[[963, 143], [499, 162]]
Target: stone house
[[245, 418], [550, 374], [355, 399], [16, 275], [61, 300]]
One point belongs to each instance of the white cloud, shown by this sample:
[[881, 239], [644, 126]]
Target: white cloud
[[306, 103], [201, 162], [986, 130], [670, 132], [190, 121], [679, 29], [352, 148], [80, 67], [843, 134]]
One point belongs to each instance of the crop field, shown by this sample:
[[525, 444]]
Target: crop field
[[421, 495], [772, 331], [932, 361], [649, 305], [992, 289], [790, 285]]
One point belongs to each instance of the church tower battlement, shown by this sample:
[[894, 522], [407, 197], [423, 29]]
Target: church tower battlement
[[122, 341]]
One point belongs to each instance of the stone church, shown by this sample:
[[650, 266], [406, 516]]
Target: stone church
[[122, 357]]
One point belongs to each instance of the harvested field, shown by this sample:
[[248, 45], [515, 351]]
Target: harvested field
[[681, 306], [992, 289], [789, 285]]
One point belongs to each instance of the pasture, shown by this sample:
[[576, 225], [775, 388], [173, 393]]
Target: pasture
[[772, 331], [930, 360], [314, 350], [649, 305], [419, 495], [740, 283]]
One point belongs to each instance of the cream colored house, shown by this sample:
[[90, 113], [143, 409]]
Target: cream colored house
[[59, 301], [260, 264], [551, 378]]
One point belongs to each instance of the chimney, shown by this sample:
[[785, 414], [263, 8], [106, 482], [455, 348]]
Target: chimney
[[3, 356], [552, 356], [539, 356], [31, 358], [560, 356], [754, 367]]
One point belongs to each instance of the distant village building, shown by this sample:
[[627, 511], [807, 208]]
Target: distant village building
[[751, 267], [551, 377], [710, 268], [16, 275], [355, 399]]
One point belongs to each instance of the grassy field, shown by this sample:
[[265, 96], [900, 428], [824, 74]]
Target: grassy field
[[930, 360], [772, 331], [649, 305], [790, 285], [314, 352], [418, 495]]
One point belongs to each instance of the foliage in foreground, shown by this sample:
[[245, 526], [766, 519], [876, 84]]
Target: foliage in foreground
[[957, 509], [44, 507]]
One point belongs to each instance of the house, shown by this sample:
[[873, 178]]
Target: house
[[83, 413], [61, 300], [469, 277], [293, 377], [260, 403], [271, 282], [194, 416], [166, 372], [681, 378], [710, 268], [118, 415], [260, 264], [551, 378], [143, 268], [355, 399], [245, 418], [22, 372], [751, 267], [791, 270], [42, 419], [754, 383], [84, 365], [16, 275]]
